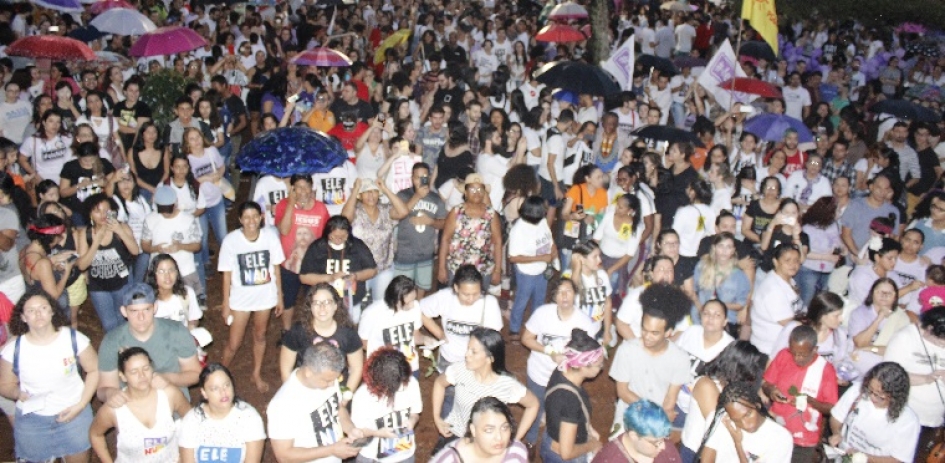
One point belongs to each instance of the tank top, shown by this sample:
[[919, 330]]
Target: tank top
[[150, 176], [109, 269], [472, 242], [137, 443]]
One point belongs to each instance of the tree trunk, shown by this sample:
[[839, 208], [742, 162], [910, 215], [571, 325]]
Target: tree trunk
[[599, 45]]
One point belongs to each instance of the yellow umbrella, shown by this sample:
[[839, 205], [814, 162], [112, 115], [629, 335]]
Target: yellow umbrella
[[396, 39]]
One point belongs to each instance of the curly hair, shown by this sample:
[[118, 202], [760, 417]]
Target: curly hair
[[665, 301], [894, 381], [742, 392], [18, 327], [46, 241], [821, 214], [179, 288], [386, 371], [739, 362], [307, 318], [520, 180]]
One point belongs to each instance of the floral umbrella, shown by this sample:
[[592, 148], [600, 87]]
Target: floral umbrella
[[287, 151]]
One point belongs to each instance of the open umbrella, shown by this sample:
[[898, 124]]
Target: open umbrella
[[926, 92], [667, 133], [565, 95], [663, 65], [322, 57], [568, 11], [167, 41], [751, 86], [559, 33], [690, 62], [287, 151], [66, 6], [758, 49], [675, 6], [123, 21], [394, 40], [771, 127], [52, 47], [111, 57], [578, 77], [102, 6], [86, 34], [906, 110]]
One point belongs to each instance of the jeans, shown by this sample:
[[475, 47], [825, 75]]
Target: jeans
[[678, 110], [378, 285], [550, 456], [810, 282], [539, 392], [226, 151], [108, 307], [527, 288], [139, 269], [215, 217]]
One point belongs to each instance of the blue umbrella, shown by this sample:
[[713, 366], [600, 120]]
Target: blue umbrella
[[286, 151], [771, 127], [87, 34], [565, 95]]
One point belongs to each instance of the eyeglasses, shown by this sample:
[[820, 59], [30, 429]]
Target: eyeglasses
[[474, 189], [328, 303]]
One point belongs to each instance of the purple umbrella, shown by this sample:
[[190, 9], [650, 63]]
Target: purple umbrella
[[771, 127], [67, 6], [322, 57], [167, 41]]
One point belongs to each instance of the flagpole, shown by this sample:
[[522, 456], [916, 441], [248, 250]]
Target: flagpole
[[738, 45]]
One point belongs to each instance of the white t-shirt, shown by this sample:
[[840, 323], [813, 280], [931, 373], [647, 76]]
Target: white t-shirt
[[906, 349], [14, 117], [771, 443], [551, 330], [529, 240], [458, 320], [685, 34], [253, 264], [208, 163], [183, 228], [269, 191], [870, 430], [221, 440], [774, 300], [593, 296], [692, 342], [794, 101], [333, 188], [797, 183], [380, 326], [693, 222], [646, 37], [532, 141], [617, 243], [180, 309], [863, 164], [133, 213], [493, 168], [308, 417], [468, 391], [370, 412], [48, 373], [554, 145], [186, 202], [48, 156]]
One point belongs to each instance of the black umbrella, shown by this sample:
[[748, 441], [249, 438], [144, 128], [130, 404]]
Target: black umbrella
[[758, 49], [577, 77], [689, 62], [667, 133], [663, 65], [87, 34], [927, 48], [907, 110]]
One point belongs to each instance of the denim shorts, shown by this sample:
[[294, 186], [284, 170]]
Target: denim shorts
[[40, 438], [420, 272]]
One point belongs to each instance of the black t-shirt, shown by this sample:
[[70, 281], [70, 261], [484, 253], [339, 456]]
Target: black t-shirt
[[684, 269], [74, 172], [454, 55], [760, 218], [452, 97], [779, 237], [671, 195], [126, 115], [928, 161], [297, 339], [564, 406], [322, 260], [362, 110]]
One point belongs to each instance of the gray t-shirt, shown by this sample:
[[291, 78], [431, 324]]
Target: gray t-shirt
[[417, 243], [649, 376], [858, 216], [169, 343], [431, 143], [9, 268]]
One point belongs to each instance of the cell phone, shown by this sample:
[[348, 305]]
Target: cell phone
[[73, 258], [381, 117], [579, 208], [425, 180], [789, 220], [746, 109], [293, 98], [362, 442], [111, 215]]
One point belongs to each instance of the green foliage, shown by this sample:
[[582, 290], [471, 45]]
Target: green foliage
[[161, 89], [873, 13]]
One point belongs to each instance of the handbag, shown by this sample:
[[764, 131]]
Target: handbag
[[115, 152]]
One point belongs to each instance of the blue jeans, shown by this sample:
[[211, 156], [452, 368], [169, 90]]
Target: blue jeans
[[139, 269], [550, 456], [226, 151], [213, 217], [678, 110], [810, 282], [539, 392], [527, 288], [108, 307]]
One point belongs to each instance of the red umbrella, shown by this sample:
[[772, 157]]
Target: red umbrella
[[52, 47], [559, 33], [752, 86], [105, 5], [167, 41], [322, 57]]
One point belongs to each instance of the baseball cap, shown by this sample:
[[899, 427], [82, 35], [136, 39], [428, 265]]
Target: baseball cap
[[165, 196], [138, 293]]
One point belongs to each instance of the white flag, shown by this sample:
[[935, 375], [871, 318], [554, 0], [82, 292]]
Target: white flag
[[620, 64], [723, 66]]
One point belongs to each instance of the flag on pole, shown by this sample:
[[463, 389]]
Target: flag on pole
[[620, 64], [763, 19], [723, 66]]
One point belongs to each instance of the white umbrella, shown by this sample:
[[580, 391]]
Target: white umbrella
[[123, 21]]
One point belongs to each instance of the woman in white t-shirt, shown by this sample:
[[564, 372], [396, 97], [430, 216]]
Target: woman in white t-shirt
[[485, 62], [695, 221], [206, 166], [874, 418], [174, 300], [133, 207], [531, 251], [250, 259], [619, 236], [394, 321], [740, 430], [776, 300], [40, 370], [594, 290], [920, 349], [387, 407]]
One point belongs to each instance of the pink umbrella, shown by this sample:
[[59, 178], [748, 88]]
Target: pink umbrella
[[568, 11], [105, 5], [167, 41]]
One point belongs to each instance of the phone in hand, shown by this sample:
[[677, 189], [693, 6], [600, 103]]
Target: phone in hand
[[293, 98], [73, 258], [362, 442], [111, 215], [425, 180]]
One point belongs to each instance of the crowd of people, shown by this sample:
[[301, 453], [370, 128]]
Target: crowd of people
[[762, 299]]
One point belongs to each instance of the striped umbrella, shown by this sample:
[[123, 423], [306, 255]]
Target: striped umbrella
[[322, 57]]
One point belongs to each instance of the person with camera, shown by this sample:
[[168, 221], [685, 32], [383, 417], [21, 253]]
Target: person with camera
[[417, 230]]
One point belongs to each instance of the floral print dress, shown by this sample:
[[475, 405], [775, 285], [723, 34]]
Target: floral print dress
[[472, 242], [378, 236]]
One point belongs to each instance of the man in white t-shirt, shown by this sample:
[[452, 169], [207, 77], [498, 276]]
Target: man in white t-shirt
[[306, 419], [169, 230], [646, 37], [15, 114], [796, 98], [685, 34]]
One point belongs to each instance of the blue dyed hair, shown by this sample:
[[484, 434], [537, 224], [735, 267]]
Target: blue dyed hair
[[646, 419]]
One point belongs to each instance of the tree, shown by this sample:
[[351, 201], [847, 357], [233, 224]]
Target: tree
[[599, 45]]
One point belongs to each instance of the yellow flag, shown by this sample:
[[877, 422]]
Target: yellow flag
[[763, 19]]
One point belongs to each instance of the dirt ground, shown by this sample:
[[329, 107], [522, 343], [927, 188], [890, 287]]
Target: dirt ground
[[601, 389]]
